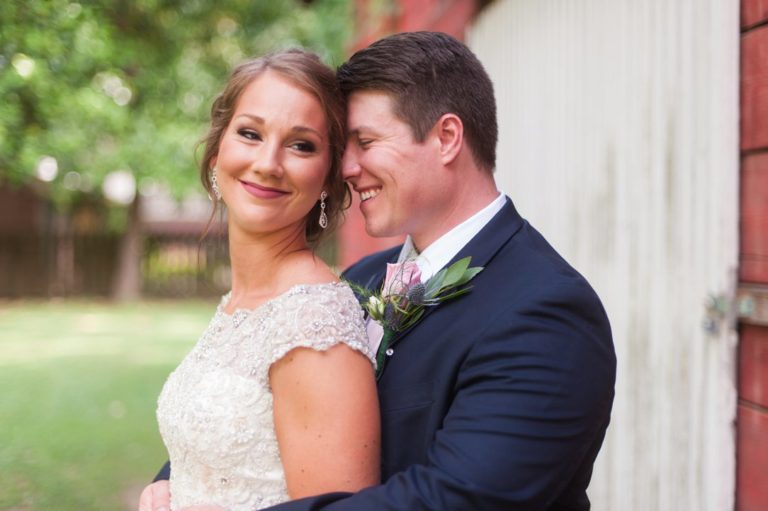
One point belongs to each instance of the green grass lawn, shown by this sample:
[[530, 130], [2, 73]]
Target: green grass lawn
[[78, 388]]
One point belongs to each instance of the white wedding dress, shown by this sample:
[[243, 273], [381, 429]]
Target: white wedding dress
[[215, 410]]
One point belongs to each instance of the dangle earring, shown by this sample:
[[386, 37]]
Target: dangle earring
[[323, 217], [215, 184]]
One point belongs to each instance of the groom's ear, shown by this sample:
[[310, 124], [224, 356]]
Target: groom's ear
[[450, 133]]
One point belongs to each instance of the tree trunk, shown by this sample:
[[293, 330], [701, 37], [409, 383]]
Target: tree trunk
[[127, 280]]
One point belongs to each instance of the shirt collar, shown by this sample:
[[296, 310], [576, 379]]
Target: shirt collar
[[441, 251]]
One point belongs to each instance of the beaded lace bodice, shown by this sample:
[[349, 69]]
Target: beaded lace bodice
[[215, 410]]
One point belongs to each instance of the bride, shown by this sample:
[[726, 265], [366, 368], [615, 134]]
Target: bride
[[277, 400]]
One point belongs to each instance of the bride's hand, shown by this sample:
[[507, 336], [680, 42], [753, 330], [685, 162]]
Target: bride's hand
[[156, 497]]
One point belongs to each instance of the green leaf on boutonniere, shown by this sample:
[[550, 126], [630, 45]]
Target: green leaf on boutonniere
[[468, 275], [455, 272]]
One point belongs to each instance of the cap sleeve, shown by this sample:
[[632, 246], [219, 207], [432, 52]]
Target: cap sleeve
[[318, 317]]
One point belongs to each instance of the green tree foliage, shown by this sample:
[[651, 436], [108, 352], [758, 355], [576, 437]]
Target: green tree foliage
[[107, 85]]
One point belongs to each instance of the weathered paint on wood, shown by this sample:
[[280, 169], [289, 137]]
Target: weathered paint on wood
[[619, 141]]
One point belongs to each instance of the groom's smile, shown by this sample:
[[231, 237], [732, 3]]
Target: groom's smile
[[369, 194]]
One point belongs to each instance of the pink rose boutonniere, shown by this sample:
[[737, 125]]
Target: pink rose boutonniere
[[404, 297], [401, 277]]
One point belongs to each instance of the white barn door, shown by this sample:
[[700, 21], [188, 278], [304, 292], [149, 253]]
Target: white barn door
[[619, 141]]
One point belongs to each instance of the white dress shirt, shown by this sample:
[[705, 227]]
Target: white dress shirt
[[442, 250]]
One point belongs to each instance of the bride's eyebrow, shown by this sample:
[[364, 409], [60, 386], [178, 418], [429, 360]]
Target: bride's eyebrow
[[305, 129], [253, 117], [297, 129]]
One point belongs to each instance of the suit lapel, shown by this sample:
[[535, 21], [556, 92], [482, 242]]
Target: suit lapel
[[482, 248]]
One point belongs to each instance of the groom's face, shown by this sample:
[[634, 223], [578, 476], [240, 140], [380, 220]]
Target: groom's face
[[395, 176]]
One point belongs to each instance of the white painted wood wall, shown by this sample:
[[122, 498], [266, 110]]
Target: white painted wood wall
[[619, 141]]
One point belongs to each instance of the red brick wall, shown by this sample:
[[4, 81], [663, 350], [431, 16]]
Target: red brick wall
[[754, 217], [752, 476], [753, 12], [450, 16]]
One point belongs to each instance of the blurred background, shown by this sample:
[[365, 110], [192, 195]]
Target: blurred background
[[634, 135]]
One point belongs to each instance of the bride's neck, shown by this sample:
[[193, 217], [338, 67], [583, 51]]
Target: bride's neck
[[259, 263]]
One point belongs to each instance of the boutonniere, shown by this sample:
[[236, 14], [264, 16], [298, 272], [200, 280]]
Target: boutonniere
[[403, 297]]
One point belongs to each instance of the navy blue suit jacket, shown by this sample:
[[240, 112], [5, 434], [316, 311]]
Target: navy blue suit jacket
[[498, 399]]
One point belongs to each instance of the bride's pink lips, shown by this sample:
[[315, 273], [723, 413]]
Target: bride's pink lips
[[262, 192]]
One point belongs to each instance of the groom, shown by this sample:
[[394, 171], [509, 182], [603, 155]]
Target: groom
[[498, 399]]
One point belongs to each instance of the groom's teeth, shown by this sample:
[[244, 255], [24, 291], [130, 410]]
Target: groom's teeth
[[369, 194]]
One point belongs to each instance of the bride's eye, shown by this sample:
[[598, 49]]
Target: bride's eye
[[249, 134], [304, 146]]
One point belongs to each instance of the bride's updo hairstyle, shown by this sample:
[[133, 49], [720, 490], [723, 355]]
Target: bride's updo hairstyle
[[307, 71]]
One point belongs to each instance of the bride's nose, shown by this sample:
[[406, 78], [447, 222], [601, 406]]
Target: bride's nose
[[267, 161]]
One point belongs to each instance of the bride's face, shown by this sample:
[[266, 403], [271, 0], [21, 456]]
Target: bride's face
[[274, 157]]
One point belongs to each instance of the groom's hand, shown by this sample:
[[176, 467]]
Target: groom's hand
[[156, 497]]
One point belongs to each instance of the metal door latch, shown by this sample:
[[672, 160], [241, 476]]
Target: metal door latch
[[749, 306], [752, 304]]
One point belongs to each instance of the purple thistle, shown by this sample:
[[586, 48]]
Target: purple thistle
[[416, 294]]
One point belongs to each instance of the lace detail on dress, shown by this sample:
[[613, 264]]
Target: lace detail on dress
[[215, 410]]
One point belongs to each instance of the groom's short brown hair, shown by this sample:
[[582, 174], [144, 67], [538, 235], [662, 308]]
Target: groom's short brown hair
[[429, 74]]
